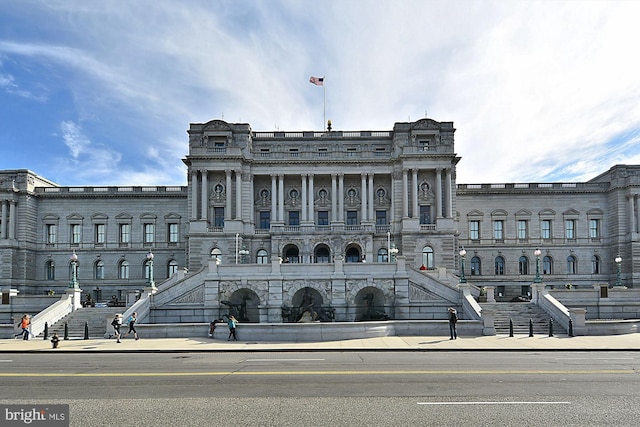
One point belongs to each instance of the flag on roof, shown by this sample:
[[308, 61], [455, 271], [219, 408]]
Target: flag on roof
[[318, 81]]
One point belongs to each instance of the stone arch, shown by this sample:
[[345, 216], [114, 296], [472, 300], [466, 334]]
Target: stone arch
[[299, 285], [371, 304], [290, 253], [354, 252], [321, 253], [243, 304]]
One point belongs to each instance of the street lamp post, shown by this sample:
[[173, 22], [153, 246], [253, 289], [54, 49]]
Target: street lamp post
[[150, 282], [537, 253], [243, 254], [462, 254], [393, 251], [618, 261], [74, 271]]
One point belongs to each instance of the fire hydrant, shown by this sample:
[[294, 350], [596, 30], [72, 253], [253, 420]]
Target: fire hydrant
[[55, 340]]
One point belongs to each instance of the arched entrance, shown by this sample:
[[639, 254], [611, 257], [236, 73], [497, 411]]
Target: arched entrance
[[322, 254], [291, 254], [353, 253]]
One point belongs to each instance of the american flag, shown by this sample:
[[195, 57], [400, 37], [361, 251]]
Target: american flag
[[318, 81]]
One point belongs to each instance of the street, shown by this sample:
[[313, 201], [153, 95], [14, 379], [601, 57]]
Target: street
[[338, 388]]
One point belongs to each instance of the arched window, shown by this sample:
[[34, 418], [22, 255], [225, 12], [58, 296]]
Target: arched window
[[292, 254], [172, 267], [123, 270], [595, 264], [322, 254], [216, 254], [571, 265], [523, 265], [475, 266], [99, 270], [352, 255], [499, 266], [50, 270], [547, 265], [262, 257], [383, 255], [427, 257]]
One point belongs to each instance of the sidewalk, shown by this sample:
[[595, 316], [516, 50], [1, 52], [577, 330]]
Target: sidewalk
[[391, 343]]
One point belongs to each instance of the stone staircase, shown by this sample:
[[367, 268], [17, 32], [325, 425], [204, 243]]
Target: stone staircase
[[95, 317], [520, 313]]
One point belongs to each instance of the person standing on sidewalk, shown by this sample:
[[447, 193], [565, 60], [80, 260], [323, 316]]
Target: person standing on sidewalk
[[132, 328], [116, 323], [232, 328], [453, 319]]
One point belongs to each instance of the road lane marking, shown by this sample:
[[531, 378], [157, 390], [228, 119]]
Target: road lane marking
[[493, 403], [285, 360], [300, 373]]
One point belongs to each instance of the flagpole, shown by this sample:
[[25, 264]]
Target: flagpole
[[324, 105]]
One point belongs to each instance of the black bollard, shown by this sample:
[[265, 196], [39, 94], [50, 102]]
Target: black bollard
[[86, 330], [570, 327], [550, 327], [530, 327], [511, 327], [46, 331], [66, 331]]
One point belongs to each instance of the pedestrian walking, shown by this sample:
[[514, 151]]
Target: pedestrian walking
[[453, 319], [232, 328], [55, 340], [116, 323], [132, 326], [25, 324]]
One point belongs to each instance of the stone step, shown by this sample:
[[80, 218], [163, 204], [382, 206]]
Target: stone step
[[520, 313]]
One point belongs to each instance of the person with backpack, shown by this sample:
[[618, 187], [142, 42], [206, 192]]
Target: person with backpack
[[132, 321], [25, 323], [116, 323], [453, 319]]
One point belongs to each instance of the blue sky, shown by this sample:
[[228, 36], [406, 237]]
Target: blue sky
[[102, 93]]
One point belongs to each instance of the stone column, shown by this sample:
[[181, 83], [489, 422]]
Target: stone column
[[363, 197], [281, 197], [370, 198], [274, 198], [438, 193], [312, 214], [449, 196], [3, 224], [12, 219], [638, 213], [334, 198], [341, 197], [405, 194], [251, 203], [392, 196], [194, 196], [205, 198], [414, 193], [304, 197], [227, 204], [632, 215], [238, 194]]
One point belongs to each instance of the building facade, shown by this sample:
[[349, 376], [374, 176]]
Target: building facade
[[368, 223]]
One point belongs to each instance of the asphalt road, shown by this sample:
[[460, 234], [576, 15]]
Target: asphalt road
[[354, 388]]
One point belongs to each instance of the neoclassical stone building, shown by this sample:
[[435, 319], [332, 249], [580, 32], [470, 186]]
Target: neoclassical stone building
[[361, 224]]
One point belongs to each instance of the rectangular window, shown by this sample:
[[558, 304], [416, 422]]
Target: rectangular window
[[218, 217], [52, 234], [294, 218], [265, 220], [323, 217], [149, 233], [352, 217], [474, 230], [425, 214], [545, 229], [323, 152], [522, 229], [381, 217], [76, 234], [570, 229], [125, 233], [351, 152], [293, 152], [498, 227], [101, 234], [173, 233], [594, 228]]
